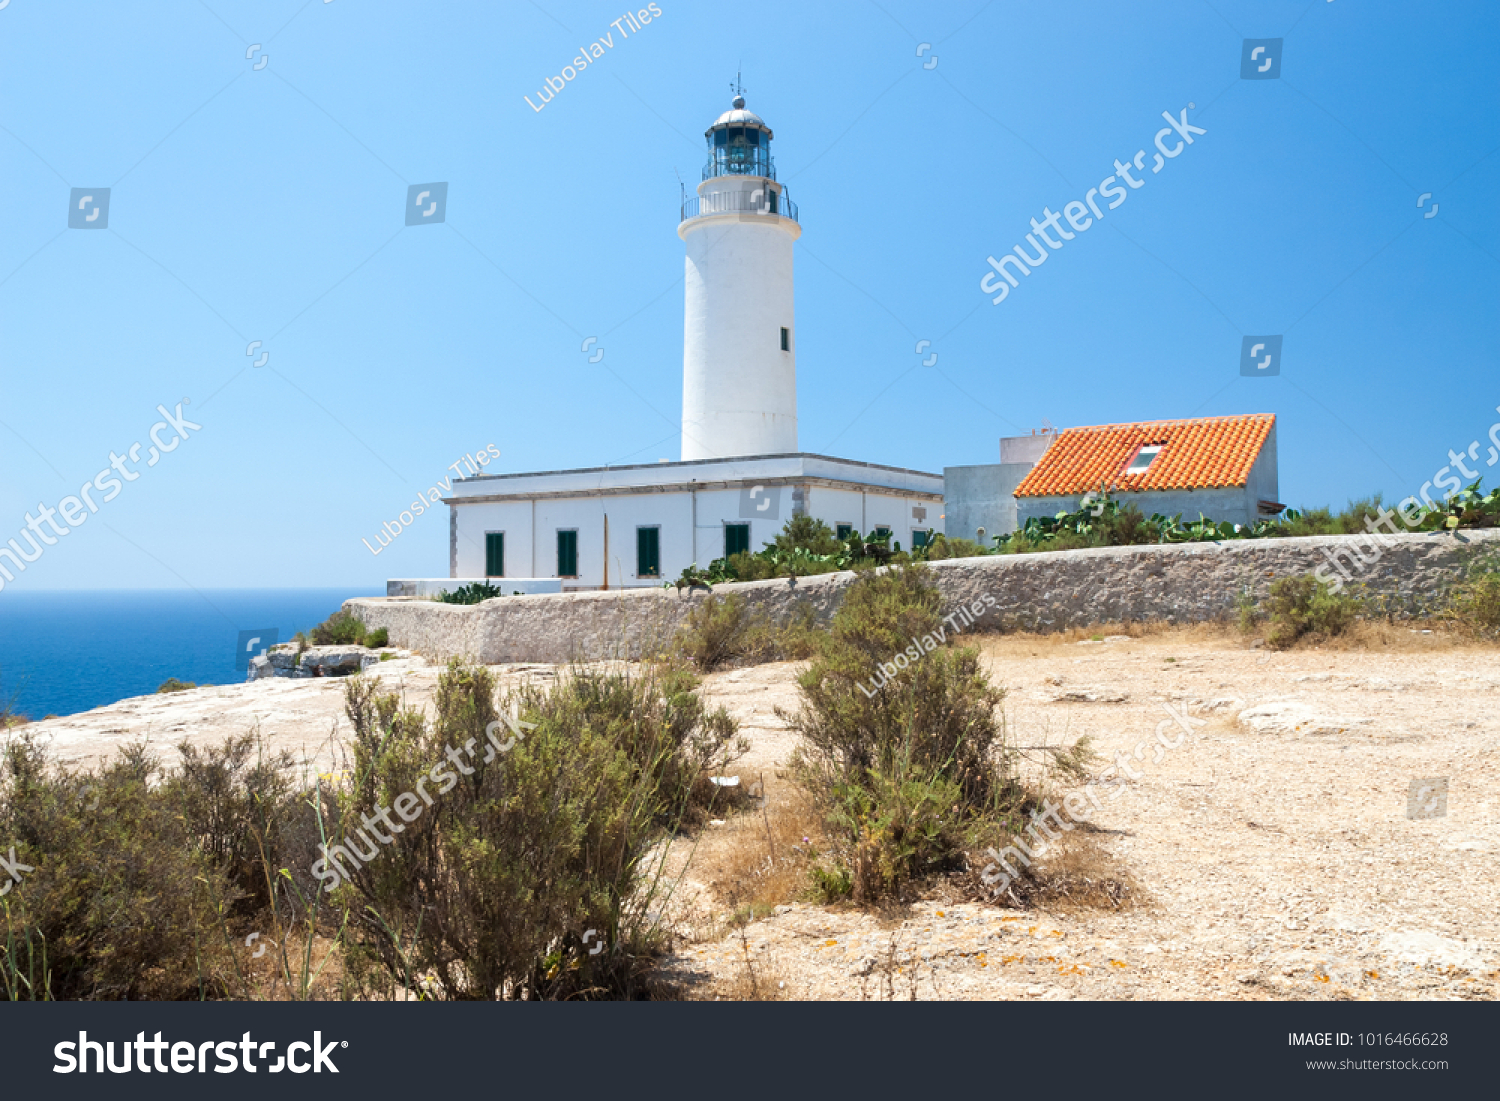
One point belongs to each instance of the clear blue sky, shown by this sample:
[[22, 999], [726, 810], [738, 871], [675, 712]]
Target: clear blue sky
[[267, 204]]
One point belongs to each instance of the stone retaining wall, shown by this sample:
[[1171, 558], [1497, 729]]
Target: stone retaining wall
[[1181, 583]]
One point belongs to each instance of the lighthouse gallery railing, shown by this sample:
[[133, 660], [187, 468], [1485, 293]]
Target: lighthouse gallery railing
[[740, 202]]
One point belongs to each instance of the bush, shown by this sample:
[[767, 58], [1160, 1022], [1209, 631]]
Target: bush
[[242, 813], [723, 630], [172, 684], [475, 592], [942, 547], [492, 889], [906, 762], [1304, 608], [1324, 521], [137, 874], [1476, 600], [121, 902], [807, 534], [340, 629], [717, 631], [1247, 611]]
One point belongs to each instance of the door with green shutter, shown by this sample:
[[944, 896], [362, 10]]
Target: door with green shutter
[[648, 552], [567, 554], [494, 554], [736, 538]]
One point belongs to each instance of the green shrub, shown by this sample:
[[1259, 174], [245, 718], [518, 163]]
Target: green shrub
[[343, 628], [1324, 521], [340, 629], [1247, 610], [744, 566], [907, 765], [475, 592], [119, 903], [942, 547], [137, 874], [1304, 608], [491, 891], [717, 631], [242, 812], [172, 684], [1476, 600], [807, 534], [723, 630]]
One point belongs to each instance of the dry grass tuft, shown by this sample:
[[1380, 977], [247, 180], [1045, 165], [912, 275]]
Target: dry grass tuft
[[1077, 873], [763, 856], [1035, 643], [758, 978], [1401, 636], [897, 974]]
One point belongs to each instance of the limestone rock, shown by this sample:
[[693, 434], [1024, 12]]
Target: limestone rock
[[1292, 717], [1431, 949], [335, 661]]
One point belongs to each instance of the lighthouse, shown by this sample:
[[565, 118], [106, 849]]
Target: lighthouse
[[739, 361], [741, 478]]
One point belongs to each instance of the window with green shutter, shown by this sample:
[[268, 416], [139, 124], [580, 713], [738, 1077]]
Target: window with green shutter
[[494, 554], [736, 538], [567, 554], [843, 531], [648, 552], [918, 538]]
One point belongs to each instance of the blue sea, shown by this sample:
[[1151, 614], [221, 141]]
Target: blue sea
[[64, 652]]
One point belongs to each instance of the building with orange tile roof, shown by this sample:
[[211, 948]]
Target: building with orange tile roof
[[1220, 467]]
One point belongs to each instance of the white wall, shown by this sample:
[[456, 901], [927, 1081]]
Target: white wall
[[531, 551], [739, 389], [531, 547]]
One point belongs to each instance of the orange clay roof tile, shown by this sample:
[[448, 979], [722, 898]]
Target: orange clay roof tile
[[1207, 453]]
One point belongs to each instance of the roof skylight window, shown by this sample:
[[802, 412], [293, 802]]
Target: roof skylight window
[[1143, 459]]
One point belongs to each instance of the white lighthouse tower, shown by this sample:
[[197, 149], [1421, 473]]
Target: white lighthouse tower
[[739, 363], [741, 478]]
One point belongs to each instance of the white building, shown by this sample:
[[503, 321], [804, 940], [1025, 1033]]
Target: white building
[[741, 476]]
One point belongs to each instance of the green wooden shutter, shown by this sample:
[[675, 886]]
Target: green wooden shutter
[[494, 554], [647, 552], [567, 554], [736, 538]]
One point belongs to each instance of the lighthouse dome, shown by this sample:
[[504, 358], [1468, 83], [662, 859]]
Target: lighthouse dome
[[739, 116]]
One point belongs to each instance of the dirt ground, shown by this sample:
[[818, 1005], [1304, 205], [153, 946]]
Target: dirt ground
[[1273, 846]]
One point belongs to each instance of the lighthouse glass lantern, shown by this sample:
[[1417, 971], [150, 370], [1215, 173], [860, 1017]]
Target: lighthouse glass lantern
[[739, 144]]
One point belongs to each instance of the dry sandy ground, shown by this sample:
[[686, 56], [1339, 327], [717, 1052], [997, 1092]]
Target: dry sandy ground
[[1279, 860]]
